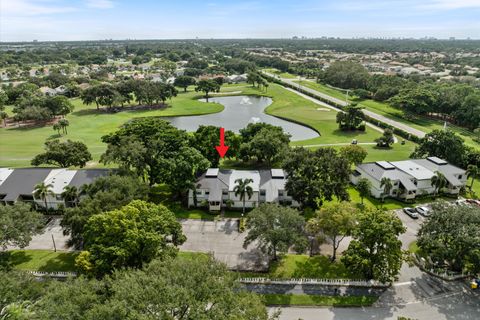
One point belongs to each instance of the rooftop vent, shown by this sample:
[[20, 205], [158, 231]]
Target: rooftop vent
[[437, 161], [212, 173], [277, 173], [385, 165]]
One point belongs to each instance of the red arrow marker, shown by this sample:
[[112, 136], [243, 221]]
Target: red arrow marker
[[222, 148]]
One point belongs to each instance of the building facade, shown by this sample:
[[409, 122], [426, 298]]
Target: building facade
[[215, 189], [410, 178]]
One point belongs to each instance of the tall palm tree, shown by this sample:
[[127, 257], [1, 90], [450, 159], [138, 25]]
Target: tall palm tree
[[71, 194], [472, 172], [387, 186], [42, 191], [243, 189], [438, 182]]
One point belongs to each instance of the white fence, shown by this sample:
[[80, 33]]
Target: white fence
[[325, 282], [42, 274]]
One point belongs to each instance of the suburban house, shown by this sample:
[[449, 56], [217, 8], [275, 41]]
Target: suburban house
[[216, 187], [410, 178], [19, 184]]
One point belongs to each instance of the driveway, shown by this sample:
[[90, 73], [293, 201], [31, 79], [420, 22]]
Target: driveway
[[222, 239], [44, 241]]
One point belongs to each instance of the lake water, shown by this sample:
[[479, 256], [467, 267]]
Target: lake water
[[238, 113]]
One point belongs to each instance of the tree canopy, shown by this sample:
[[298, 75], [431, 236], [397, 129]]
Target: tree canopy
[[129, 237], [375, 251], [18, 223], [316, 176], [276, 228], [63, 154]]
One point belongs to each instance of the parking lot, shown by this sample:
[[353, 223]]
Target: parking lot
[[222, 239]]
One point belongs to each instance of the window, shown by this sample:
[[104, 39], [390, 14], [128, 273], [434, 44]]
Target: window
[[59, 197], [207, 193], [225, 192], [199, 192], [263, 192], [460, 177], [280, 193]]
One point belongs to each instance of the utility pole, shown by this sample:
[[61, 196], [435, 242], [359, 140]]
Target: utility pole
[[54, 245]]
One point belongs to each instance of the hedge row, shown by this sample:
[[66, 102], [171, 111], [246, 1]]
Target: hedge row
[[404, 134]]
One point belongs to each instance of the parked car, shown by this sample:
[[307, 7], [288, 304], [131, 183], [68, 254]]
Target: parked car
[[354, 141], [411, 212], [424, 211]]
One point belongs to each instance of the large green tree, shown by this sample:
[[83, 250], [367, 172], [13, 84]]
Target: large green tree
[[184, 82], [316, 176], [18, 223], [207, 86], [450, 235], [355, 154], [157, 152], [364, 187], [444, 144], [346, 74], [104, 194], [129, 237], [63, 154], [276, 229], [375, 251], [351, 117], [333, 222], [207, 137]]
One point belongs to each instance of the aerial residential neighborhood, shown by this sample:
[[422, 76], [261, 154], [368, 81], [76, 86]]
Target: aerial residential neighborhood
[[244, 160]]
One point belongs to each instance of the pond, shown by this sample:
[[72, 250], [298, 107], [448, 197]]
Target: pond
[[238, 113]]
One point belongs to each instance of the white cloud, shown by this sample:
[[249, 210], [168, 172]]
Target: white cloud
[[32, 8], [100, 4]]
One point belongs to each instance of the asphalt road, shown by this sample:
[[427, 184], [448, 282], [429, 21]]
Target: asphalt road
[[371, 114]]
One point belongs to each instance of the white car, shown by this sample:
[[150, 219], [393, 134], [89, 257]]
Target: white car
[[424, 211]]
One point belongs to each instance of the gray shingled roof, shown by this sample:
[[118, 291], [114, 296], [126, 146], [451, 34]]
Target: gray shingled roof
[[22, 182], [87, 176]]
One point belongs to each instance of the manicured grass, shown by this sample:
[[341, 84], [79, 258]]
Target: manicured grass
[[42, 260], [19, 146], [421, 123], [312, 300], [289, 105], [303, 266]]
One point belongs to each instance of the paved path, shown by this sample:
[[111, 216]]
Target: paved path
[[43, 241], [369, 113]]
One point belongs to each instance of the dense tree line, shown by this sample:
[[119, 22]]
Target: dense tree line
[[181, 288]]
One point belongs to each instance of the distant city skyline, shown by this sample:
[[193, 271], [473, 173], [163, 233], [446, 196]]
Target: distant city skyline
[[55, 20]]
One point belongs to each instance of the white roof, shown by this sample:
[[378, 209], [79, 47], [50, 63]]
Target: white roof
[[59, 178], [244, 174], [414, 169], [4, 173], [278, 173], [212, 172]]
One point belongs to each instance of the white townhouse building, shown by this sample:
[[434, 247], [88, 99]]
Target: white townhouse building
[[19, 184], [410, 178], [216, 186]]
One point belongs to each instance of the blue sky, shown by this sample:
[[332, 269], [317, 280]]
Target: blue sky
[[26, 20]]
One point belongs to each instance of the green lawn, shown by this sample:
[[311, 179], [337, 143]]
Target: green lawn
[[421, 123], [19, 146], [312, 300], [42, 260], [303, 266], [289, 105]]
